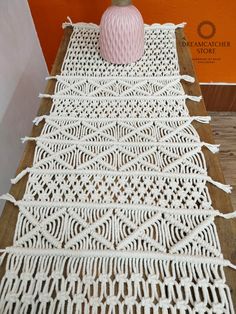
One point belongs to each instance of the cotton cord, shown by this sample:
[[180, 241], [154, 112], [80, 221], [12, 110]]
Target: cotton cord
[[116, 214]]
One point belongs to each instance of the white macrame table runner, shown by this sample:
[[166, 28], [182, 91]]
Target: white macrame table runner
[[116, 216]]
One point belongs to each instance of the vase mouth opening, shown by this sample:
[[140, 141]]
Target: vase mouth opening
[[121, 3]]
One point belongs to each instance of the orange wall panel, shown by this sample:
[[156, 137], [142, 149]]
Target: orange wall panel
[[210, 28]]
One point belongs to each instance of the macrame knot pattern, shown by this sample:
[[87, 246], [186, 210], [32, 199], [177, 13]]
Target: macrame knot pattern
[[116, 215], [45, 297], [28, 298], [79, 298], [12, 297]]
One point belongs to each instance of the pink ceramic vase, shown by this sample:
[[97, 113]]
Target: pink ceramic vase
[[121, 33]]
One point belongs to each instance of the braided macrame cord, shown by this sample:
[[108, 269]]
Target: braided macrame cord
[[116, 215]]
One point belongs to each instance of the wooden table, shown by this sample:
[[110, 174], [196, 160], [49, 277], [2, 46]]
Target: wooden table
[[221, 201]]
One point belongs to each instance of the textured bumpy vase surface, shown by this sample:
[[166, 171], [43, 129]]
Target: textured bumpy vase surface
[[121, 34]]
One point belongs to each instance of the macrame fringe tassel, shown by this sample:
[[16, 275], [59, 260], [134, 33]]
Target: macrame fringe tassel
[[194, 98], [20, 175], [27, 138], [227, 215], [181, 25], [38, 119], [188, 78], [47, 78], [8, 197], [214, 148], [67, 24], [45, 96], [225, 187], [229, 264], [201, 119]]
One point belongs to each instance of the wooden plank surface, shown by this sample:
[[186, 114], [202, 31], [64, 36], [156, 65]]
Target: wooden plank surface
[[219, 97], [226, 228], [224, 131]]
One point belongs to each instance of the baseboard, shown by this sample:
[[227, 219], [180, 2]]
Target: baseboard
[[219, 96]]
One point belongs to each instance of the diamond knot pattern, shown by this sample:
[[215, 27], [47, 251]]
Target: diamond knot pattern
[[120, 87], [116, 216], [102, 228]]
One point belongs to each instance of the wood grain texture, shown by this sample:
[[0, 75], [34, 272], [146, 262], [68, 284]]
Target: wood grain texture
[[224, 130], [219, 97], [221, 201]]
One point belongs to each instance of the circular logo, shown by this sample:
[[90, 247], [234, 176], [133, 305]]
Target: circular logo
[[206, 29]]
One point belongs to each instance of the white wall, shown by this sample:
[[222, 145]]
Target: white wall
[[22, 77]]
